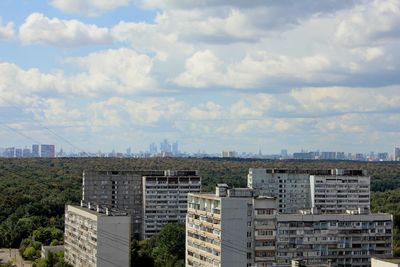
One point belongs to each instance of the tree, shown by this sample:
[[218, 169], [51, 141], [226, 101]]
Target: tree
[[170, 249]]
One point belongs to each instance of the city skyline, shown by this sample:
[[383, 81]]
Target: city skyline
[[253, 75]]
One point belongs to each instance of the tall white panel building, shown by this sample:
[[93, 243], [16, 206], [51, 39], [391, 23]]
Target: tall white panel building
[[96, 239], [165, 199]]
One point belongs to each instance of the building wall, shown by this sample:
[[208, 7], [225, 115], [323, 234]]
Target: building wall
[[113, 241], [165, 200], [203, 231], [96, 240], [336, 194], [235, 231], [292, 189], [345, 240], [121, 190]]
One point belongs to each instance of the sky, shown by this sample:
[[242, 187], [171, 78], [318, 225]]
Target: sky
[[215, 75]]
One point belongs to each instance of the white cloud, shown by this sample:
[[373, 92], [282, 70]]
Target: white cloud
[[38, 28], [346, 100], [121, 71], [6, 31], [207, 111], [88, 7], [204, 69], [369, 22], [117, 111]]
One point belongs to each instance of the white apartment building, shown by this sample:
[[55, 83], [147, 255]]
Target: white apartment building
[[237, 227], [231, 228], [128, 191], [344, 240], [331, 191], [95, 239], [290, 187], [342, 190], [165, 199]]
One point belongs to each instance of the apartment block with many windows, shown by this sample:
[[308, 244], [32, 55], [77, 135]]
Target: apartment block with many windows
[[342, 190], [165, 199], [151, 197], [96, 238]]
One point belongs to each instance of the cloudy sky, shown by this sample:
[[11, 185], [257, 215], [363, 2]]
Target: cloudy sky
[[213, 74]]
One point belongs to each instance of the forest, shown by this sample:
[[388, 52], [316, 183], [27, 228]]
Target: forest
[[34, 191]]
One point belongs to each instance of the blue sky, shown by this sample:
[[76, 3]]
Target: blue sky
[[215, 75]]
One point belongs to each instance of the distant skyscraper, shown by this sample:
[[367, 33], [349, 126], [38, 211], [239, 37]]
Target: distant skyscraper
[[165, 146], [9, 152], [397, 153], [284, 153], [47, 151], [153, 148], [175, 148], [18, 153], [35, 151], [26, 153]]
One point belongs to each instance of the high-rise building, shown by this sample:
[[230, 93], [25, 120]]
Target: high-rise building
[[339, 191], [175, 148], [328, 155], [18, 153], [47, 151], [125, 191], [35, 151], [397, 153], [291, 187], [219, 229], [332, 191], [383, 156], [238, 227], [96, 237], [26, 153], [9, 152], [165, 146], [165, 199], [340, 239], [153, 148]]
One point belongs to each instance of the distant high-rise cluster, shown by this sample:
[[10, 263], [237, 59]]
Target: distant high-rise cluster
[[44, 151]]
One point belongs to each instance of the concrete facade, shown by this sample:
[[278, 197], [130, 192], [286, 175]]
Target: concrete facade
[[206, 243], [94, 239], [291, 188], [131, 191], [345, 240], [338, 193], [238, 227], [330, 191], [165, 199]]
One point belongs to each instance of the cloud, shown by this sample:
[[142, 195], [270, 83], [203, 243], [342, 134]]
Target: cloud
[[204, 69], [118, 111], [121, 71], [109, 72], [38, 28], [88, 7], [6, 31], [207, 111], [356, 27]]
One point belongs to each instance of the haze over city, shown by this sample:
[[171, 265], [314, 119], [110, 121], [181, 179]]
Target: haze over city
[[215, 75]]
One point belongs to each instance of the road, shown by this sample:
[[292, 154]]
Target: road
[[15, 257]]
